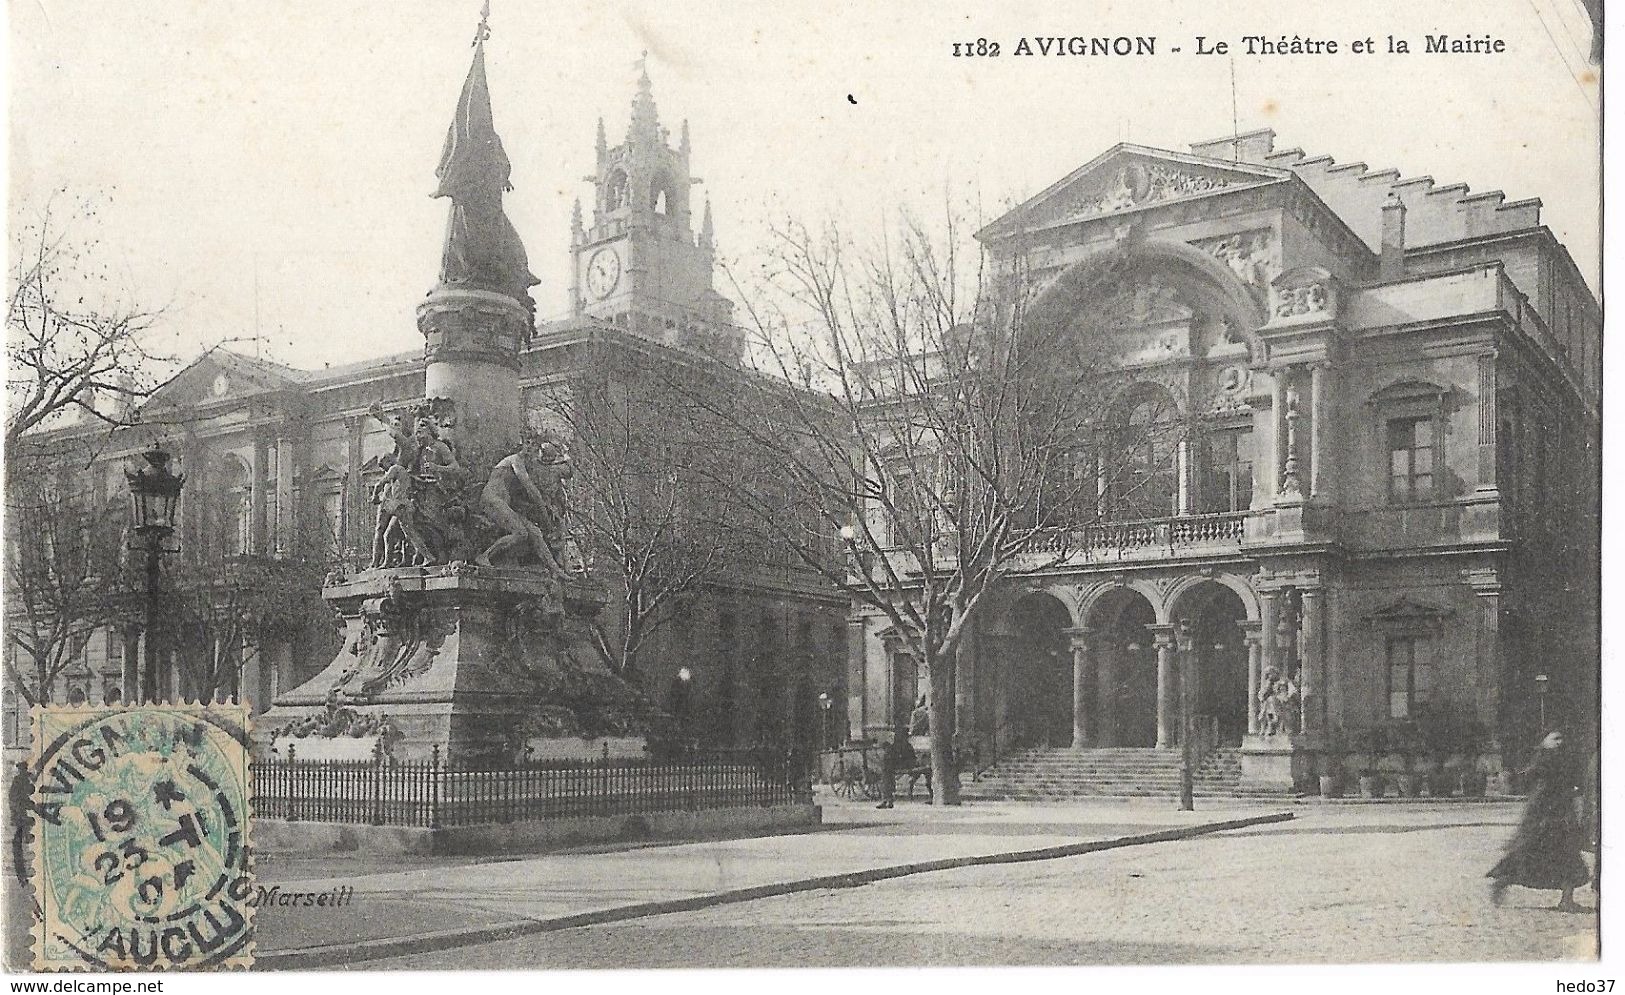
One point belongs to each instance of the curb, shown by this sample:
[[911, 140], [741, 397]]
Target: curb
[[329, 955]]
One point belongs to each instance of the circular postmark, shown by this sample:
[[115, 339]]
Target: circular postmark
[[140, 823]]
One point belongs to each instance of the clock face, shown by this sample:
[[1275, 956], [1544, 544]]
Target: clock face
[[220, 385], [603, 273]]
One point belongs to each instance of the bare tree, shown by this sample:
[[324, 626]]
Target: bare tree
[[645, 502], [74, 337], [914, 410], [63, 575], [224, 609]]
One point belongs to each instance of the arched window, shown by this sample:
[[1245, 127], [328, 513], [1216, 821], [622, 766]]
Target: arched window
[[236, 508], [327, 487], [662, 195], [615, 191], [1142, 479]]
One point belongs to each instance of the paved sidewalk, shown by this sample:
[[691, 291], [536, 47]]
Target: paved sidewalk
[[437, 904]]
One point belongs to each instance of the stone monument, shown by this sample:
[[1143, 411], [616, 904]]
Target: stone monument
[[468, 633]]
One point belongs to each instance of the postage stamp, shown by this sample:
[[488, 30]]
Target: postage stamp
[[140, 856]]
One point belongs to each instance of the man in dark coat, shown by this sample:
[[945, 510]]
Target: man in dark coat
[[897, 756]]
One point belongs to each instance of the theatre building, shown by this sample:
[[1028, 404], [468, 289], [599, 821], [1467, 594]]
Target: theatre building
[[1367, 497]]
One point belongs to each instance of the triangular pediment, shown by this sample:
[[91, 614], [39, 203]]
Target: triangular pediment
[[1129, 178], [221, 375], [1404, 610]]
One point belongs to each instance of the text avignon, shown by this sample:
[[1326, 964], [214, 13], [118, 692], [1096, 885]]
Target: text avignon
[[1080, 45]]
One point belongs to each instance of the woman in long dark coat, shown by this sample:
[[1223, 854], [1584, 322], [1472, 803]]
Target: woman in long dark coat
[[1545, 851]]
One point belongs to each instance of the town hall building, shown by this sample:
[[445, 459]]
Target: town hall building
[[281, 465]]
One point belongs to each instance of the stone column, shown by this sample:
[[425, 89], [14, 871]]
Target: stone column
[[1317, 426], [258, 499], [856, 676], [1487, 424], [1493, 668], [357, 535], [1167, 712], [197, 476], [1080, 685], [284, 542], [1252, 633], [1311, 684], [1105, 689], [1278, 432], [1182, 465]]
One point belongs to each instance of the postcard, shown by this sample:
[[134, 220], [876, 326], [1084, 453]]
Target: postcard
[[521, 486]]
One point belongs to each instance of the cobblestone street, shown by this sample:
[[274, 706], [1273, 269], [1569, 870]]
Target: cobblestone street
[[1345, 884]]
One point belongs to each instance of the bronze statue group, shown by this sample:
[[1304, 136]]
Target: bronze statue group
[[429, 514]]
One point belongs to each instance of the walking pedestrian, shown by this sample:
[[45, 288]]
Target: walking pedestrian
[[1544, 853], [897, 756]]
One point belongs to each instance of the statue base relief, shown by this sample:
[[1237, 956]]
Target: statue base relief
[[474, 661]]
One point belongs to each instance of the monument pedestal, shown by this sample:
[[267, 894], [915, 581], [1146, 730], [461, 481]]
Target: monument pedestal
[[457, 657], [1279, 763]]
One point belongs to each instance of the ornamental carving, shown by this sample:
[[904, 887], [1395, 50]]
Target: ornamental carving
[[338, 721], [1250, 255], [1301, 300], [1230, 387], [397, 642], [1136, 184]]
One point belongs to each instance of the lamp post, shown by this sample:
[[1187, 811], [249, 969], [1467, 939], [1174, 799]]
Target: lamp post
[[155, 494], [825, 703], [680, 702], [1185, 641], [1541, 682]]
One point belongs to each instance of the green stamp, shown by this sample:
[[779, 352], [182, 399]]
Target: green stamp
[[140, 820]]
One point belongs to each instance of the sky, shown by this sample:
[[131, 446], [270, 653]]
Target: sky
[[266, 166]]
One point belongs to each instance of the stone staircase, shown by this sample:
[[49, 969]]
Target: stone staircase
[[1065, 774]]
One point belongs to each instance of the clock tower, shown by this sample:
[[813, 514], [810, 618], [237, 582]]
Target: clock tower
[[640, 265]]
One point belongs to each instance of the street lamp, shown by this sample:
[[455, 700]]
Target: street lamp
[[1541, 683], [155, 494], [825, 703], [680, 700], [1185, 641]]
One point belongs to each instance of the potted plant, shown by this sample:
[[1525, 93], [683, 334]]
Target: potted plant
[[1331, 786], [1396, 759], [1469, 745], [1367, 758], [1439, 730], [1331, 781]]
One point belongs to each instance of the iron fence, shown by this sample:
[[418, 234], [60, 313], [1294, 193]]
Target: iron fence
[[431, 794]]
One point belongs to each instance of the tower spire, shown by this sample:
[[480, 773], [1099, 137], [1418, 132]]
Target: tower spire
[[578, 233], [482, 250], [645, 124], [708, 234], [603, 145]]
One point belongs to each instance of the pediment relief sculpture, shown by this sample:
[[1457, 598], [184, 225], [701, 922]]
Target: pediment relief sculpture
[[1136, 184]]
